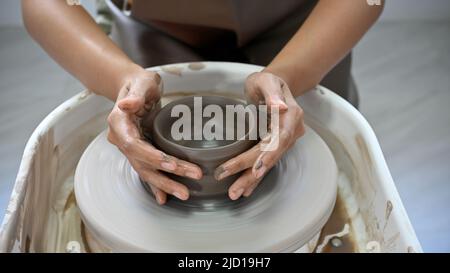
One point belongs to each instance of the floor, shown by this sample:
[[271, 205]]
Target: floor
[[403, 74]]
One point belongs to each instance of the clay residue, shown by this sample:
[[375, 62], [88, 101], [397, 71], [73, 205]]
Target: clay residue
[[391, 243], [334, 239], [84, 238], [27, 244], [196, 66], [363, 148], [70, 201], [84, 94], [373, 247], [389, 208], [336, 224], [172, 69], [170, 96]]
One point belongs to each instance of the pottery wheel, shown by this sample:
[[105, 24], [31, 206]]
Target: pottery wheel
[[288, 208]]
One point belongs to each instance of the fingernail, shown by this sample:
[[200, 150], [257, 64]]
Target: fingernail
[[168, 166], [283, 104], [277, 99], [159, 199], [260, 172], [180, 196], [220, 173], [193, 175], [236, 194], [166, 163]]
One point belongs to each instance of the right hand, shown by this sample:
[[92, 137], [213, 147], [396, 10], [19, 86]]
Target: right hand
[[136, 98]]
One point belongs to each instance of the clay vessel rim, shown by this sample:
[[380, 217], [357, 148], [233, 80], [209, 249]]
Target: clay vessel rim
[[228, 147]]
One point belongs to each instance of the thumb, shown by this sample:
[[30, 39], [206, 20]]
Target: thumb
[[133, 101], [272, 89], [276, 99], [273, 96], [139, 93]]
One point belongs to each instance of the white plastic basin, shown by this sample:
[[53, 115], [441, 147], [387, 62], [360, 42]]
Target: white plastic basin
[[42, 215]]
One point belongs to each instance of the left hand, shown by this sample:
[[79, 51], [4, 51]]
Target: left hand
[[264, 87]]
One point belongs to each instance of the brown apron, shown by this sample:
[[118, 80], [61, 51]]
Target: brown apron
[[248, 31]]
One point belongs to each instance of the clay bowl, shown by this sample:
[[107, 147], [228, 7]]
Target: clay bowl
[[207, 154]]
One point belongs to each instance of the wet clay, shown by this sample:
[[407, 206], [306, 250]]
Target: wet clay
[[335, 223], [338, 219], [109, 194]]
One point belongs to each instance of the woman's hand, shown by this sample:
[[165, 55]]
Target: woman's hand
[[136, 97], [264, 87]]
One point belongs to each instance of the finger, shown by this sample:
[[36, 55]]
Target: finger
[[122, 92], [148, 154], [273, 97], [270, 88], [251, 188], [242, 184], [160, 196], [122, 130], [141, 91], [288, 97], [132, 102], [267, 159], [171, 164], [187, 169], [238, 163], [241, 162], [166, 184]]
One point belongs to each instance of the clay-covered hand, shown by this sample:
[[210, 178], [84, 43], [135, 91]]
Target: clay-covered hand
[[137, 96], [265, 88]]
